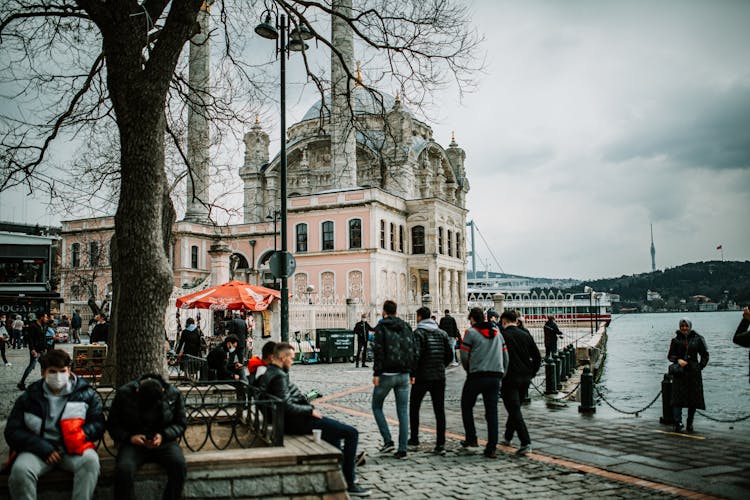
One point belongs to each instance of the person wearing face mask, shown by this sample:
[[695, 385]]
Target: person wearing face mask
[[146, 420], [224, 362], [55, 423], [689, 356]]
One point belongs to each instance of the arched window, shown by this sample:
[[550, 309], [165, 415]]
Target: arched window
[[440, 240], [300, 232], [417, 240], [393, 236], [401, 239], [355, 233], [382, 233], [94, 253], [327, 235], [194, 257], [450, 243], [75, 255]]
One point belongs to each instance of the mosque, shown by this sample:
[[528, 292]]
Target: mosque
[[376, 206]]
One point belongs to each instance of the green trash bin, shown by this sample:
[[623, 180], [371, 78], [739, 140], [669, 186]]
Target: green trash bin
[[335, 344]]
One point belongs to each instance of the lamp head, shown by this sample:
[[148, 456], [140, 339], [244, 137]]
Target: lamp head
[[266, 29], [297, 45], [302, 32]]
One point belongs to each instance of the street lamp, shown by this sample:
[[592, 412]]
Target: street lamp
[[279, 31], [588, 290]]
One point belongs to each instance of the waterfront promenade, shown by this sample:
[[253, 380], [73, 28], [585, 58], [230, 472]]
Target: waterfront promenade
[[574, 456]]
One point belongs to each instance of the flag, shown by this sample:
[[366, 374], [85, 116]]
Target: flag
[[719, 247]]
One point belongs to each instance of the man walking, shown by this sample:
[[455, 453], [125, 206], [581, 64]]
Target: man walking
[[300, 417], [362, 330], [75, 325], [742, 335], [435, 354], [55, 423], [449, 326], [551, 333], [37, 344], [238, 328], [17, 332], [100, 333], [484, 358], [524, 361], [395, 357]]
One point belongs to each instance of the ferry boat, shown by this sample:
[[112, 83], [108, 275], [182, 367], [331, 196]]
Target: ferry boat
[[581, 308]]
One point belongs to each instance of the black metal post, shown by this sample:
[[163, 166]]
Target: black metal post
[[666, 400], [597, 313], [558, 370], [591, 317], [587, 392], [282, 179], [563, 365], [550, 376]]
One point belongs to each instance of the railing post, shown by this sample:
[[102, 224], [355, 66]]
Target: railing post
[[666, 400], [587, 392], [550, 376], [563, 365], [558, 371], [575, 356], [571, 366]]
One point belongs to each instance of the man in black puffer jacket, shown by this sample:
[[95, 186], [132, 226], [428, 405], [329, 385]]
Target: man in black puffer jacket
[[300, 417], [146, 420], [742, 335], [435, 354]]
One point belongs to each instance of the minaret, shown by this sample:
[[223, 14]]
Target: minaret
[[653, 250], [256, 155], [343, 144], [198, 136]]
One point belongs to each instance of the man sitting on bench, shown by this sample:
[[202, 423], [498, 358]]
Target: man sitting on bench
[[300, 417], [146, 420]]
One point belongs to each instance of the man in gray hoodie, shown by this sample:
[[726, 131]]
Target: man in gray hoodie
[[484, 357], [435, 353]]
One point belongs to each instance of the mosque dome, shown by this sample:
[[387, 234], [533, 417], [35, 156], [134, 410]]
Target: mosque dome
[[364, 102]]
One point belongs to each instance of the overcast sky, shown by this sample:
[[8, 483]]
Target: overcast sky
[[592, 120]]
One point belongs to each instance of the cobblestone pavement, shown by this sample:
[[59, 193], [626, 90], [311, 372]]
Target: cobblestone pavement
[[575, 456]]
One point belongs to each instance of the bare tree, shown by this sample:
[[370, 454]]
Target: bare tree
[[94, 69]]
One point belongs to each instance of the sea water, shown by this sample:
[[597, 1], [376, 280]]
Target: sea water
[[637, 361]]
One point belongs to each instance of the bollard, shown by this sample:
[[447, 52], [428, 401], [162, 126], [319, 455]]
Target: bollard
[[571, 361], [587, 392], [563, 366], [575, 356], [558, 370], [666, 400], [550, 376]]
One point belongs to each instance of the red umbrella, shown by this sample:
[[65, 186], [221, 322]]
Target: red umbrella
[[233, 295]]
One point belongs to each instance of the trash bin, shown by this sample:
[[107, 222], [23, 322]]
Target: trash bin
[[335, 344]]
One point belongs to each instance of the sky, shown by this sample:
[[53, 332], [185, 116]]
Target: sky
[[590, 121]]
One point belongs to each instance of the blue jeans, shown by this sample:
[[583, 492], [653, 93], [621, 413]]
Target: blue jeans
[[488, 387], [32, 364], [333, 432], [400, 385]]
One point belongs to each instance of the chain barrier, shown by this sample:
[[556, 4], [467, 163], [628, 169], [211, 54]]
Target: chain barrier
[[558, 397], [723, 421], [636, 413]]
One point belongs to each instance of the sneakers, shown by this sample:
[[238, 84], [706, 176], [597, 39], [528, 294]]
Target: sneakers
[[8, 364], [413, 442], [524, 450], [387, 447], [469, 444], [401, 455], [356, 490], [365, 366], [689, 428], [361, 458], [439, 450], [455, 363], [678, 427], [490, 453], [504, 442]]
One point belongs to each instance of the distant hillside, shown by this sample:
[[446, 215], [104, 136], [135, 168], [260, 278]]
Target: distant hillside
[[721, 282]]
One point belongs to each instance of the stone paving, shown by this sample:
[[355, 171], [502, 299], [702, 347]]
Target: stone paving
[[575, 456]]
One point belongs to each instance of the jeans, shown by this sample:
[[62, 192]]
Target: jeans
[[32, 364], [400, 385], [2, 351], [677, 415], [131, 457], [333, 432], [361, 350], [28, 468], [16, 339], [513, 392], [436, 388], [488, 387]]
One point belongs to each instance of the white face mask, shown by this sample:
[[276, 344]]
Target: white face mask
[[232, 349], [56, 381]]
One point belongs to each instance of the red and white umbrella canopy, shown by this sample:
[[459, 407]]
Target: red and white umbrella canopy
[[234, 295]]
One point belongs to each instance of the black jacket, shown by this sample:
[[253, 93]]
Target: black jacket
[[394, 348], [524, 359], [361, 330], [687, 387], [238, 327], [297, 411], [449, 326], [221, 363], [742, 335], [36, 338], [551, 333], [126, 419], [435, 351], [100, 333], [191, 342], [31, 406]]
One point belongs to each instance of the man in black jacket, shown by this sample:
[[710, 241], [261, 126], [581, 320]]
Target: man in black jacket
[[551, 333], [300, 417], [146, 420], [100, 333], [435, 354], [238, 328], [362, 330], [395, 358], [742, 335], [449, 326], [37, 344], [224, 362], [524, 361], [55, 423]]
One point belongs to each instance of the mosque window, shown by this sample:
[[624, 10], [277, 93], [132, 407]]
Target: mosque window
[[450, 243], [382, 233], [94, 253], [393, 236], [300, 232], [401, 239], [194, 257], [327, 231], [75, 255], [440, 240], [355, 233], [417, 240]]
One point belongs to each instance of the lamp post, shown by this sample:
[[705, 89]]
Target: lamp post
[[278, 31], [597, 297], [588, 290]]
